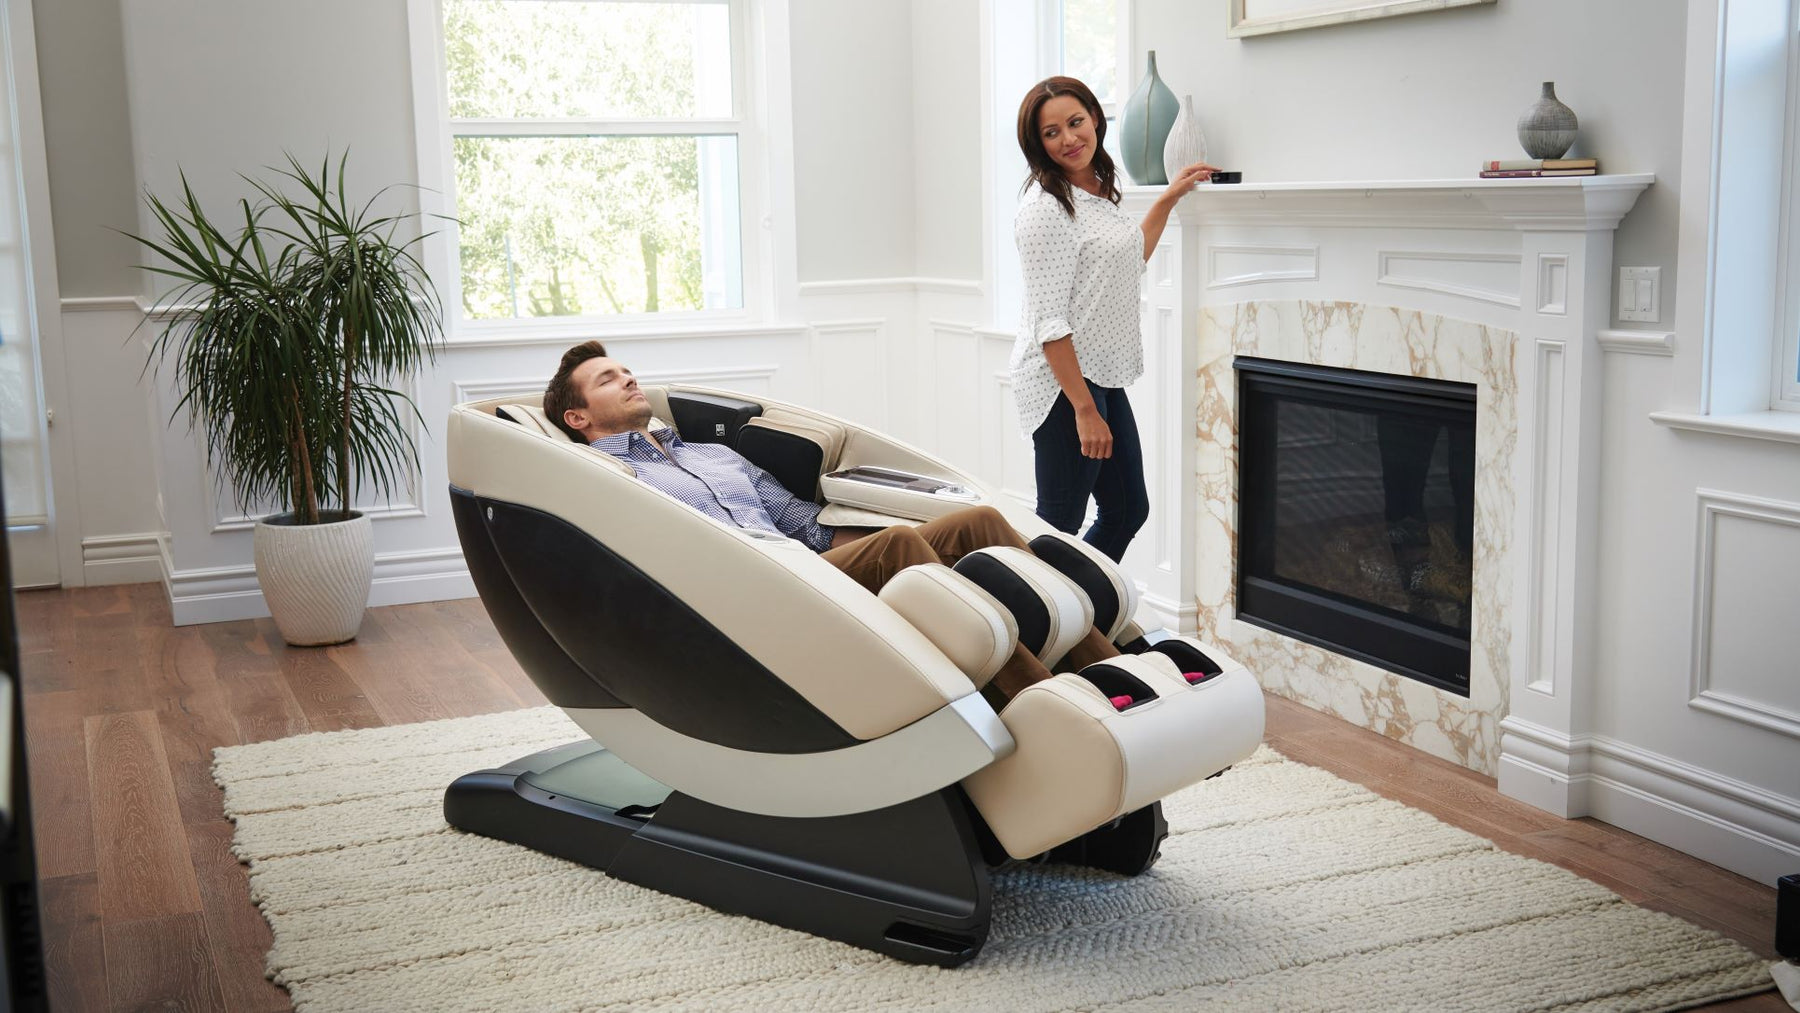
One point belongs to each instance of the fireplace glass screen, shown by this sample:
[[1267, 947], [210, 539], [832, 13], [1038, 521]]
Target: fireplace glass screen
[[1356, 501]]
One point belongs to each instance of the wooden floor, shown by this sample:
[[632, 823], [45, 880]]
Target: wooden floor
[[145, 907]]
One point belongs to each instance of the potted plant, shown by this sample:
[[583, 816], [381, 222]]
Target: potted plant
[[289, 334]]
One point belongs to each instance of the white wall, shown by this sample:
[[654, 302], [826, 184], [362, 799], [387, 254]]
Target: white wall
[[87, 134], [853, 138], [1430, 96], [947, 164]]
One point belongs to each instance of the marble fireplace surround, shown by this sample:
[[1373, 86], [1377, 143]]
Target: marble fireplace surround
[[1380, 340], [1501, 283]]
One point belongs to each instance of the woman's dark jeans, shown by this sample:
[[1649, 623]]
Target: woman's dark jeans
[[1065, 479]]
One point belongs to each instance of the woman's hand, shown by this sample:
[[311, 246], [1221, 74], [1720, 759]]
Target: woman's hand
[[1186, 178], [1096, 435], [1158, 216]]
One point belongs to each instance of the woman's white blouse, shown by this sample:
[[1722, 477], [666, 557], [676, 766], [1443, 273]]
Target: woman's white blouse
[[1082, 277]]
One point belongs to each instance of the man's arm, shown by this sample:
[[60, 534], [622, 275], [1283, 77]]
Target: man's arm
[[793, 516]]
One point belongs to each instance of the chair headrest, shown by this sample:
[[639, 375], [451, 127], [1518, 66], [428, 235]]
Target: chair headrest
[[531, 417]]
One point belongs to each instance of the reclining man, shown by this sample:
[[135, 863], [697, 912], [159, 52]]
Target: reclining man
[[596, 400]]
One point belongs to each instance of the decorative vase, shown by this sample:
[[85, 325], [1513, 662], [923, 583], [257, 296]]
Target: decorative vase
[[1186, 144], [316, 577], [1547, 128], [1144, 128]]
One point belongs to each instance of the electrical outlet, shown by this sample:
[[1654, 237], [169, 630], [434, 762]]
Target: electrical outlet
[[1640, 294]]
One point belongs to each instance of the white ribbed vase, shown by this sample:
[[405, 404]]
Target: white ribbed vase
[[1186, 144], [315, 577]]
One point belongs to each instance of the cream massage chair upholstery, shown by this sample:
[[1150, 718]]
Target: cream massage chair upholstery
[[771, 739]]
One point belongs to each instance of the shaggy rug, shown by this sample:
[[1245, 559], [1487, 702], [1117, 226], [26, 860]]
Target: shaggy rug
[[1280, 887]]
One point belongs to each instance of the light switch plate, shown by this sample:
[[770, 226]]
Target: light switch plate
[[1640, 294]]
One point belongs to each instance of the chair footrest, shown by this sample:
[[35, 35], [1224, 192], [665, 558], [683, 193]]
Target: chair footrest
[[1084, 759]]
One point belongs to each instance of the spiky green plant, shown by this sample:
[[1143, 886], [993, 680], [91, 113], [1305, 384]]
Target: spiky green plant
[[287, 334]]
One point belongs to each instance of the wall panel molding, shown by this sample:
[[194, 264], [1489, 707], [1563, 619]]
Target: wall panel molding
[[1714, 504], [1229, 265], [1548, 410], [1469, 274]]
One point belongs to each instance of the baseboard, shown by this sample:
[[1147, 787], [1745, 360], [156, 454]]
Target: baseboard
[[401, 578], [1157, 612], [121, 559], [1738, 826]]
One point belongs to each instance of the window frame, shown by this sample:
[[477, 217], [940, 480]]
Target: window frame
[[436, 132], [1785, 371]]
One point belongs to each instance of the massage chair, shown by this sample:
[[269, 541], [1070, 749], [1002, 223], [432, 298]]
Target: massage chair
[[771, 739]]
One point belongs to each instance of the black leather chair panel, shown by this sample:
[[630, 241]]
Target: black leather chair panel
[[647, 647]]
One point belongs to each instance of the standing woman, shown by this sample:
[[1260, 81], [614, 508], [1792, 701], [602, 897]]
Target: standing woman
[[1079, 342]]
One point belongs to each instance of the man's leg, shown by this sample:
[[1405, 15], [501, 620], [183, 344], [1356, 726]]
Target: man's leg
[[873, 560], [961, 532]]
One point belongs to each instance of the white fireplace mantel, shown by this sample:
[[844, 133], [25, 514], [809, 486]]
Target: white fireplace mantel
[[1505, 283], [1563, 203]]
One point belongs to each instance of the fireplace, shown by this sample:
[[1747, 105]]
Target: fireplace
[[1356, 495]]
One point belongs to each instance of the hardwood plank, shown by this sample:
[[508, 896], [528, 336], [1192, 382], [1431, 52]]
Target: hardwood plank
[[57, 761], [161, 963], [390, 666], [240, 936], [140, 850], [249, 674], [448, 662], [74, 949], [467, 621], [52, 653], [192, 711], [40, 613], [329, 697]]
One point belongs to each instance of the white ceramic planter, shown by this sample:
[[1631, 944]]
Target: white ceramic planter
[[315, 577]]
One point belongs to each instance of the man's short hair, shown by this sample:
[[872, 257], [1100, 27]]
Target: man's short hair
[[562, 396]]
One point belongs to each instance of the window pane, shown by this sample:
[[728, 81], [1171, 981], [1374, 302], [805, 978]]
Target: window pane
[[1090, 37], [586, 226], [585, 59]]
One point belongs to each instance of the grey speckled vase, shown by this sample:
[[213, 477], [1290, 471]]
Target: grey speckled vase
[[1547, 128]]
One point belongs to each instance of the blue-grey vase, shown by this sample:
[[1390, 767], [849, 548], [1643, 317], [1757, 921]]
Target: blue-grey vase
[[1144, 129]]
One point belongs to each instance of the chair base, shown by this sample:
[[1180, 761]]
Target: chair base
[[909, 881]]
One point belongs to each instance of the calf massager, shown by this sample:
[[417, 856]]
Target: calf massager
[[769, 738]]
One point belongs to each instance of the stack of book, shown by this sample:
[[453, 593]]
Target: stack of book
[[1518, 168]]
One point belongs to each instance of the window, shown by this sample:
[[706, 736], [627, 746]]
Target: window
[[1090, 48], [590, 154]]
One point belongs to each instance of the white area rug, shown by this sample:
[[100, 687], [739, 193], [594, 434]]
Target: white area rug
[[1280, 887]]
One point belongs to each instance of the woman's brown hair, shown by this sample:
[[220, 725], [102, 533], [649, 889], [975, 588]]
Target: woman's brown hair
[[1044, 170]]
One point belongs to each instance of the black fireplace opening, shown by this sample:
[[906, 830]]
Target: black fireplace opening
[[1356, 514]]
